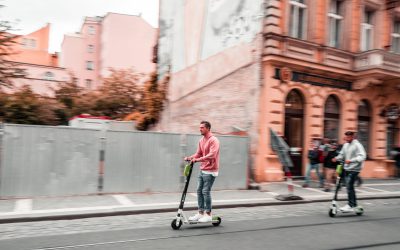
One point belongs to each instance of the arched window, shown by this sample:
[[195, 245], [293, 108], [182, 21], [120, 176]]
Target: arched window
[[294, 129], [364, 123], [393, 123], [294, 101], [332, 118]]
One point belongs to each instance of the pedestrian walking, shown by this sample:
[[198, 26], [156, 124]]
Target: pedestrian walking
[[323, 152], [353, 154], [208, 155], [397, 161], [330, 166], [313, 157]]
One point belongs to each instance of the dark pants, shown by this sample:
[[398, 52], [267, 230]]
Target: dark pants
[[398, 171], [351, 177]]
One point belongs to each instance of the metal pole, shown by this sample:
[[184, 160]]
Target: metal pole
[[1, 150], [100, 186]]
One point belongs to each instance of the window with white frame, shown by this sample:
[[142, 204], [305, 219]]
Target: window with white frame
[[90, 48], [89, 65], [335, 17], [33, 43], [48, 76], [89, 84], [396, 37], [91, 30], [28, 43], [25, 42], [367, 30], [297, 21]]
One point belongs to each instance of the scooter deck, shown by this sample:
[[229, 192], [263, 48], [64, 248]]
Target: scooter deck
[[192, 222]]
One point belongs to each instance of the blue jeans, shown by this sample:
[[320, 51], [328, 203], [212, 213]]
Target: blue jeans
[[308, 173], [204, 184], [351, 177]]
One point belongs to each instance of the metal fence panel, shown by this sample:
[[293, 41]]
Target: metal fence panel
[[44, 160], [50, 161], [142, 161]]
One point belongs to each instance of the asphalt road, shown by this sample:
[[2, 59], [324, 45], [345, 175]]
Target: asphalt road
[[303, 226]]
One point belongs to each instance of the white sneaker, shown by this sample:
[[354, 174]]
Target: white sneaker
[[196, 217], [205, 218], [346, 209]]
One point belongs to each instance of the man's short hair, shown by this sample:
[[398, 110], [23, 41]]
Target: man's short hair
[[206, 123], [349, 133]]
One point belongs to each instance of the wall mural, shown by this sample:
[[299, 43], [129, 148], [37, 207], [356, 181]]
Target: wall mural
[[229, 23], [171, 50]]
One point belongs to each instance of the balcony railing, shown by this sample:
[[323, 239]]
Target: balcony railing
[[311, 52]]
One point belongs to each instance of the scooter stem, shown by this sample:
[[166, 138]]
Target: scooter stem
[[186, 186]]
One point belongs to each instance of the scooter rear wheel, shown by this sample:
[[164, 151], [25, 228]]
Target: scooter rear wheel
[[331, 213], [359, 211], [215, 224], [174, 225]]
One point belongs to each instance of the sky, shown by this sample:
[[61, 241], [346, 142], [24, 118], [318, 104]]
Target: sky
[[66, 16]]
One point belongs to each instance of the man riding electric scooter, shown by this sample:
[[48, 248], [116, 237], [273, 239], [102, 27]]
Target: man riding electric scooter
[[353, 155], [208, 155]]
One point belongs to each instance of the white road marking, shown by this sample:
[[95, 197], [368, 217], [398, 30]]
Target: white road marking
[[104, 243], [311, 189], [123, 200], [23, 206], [379, 190], [239, 200], [363, 191], [382, 184], [271, 193]]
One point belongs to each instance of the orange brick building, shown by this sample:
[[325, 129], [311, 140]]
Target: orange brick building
[[311, 69]]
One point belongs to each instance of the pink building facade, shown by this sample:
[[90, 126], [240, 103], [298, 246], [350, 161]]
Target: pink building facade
[[114, 41], [42, 79], [43, 72]]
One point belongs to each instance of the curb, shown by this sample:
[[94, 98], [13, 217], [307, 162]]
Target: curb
[[119, 212]]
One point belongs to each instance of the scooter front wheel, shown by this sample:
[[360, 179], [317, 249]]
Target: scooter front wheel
[[215, 224], [176, 226]]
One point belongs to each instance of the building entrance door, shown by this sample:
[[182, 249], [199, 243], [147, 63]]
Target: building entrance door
[[294, 129]]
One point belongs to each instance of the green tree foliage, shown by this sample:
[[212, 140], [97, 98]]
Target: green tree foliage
[[120, 94], [26, 107], [123, 95], [73, 100], [153, 98], [9, 70]]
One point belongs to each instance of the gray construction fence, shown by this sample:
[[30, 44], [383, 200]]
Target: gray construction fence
[[56, 161]]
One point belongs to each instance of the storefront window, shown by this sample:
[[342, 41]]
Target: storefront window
[[332, 118], [294, 114], [294, 109], [364, 121], [392, 137], [294, 101]]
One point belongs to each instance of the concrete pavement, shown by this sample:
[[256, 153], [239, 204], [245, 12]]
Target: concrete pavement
[[96, 205]]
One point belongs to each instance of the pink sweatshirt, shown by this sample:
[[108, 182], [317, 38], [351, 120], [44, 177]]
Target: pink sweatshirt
[[208, 153]]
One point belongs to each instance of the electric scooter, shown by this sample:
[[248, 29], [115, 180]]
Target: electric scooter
[[334, 209], [180, 217]]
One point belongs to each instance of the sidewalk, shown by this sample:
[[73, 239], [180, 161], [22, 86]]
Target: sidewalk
[[72, 207]]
